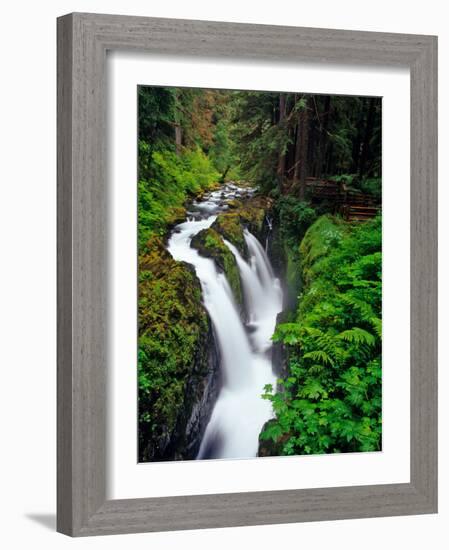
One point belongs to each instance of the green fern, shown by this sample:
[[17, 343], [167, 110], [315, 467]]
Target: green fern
[[377, 325], [319, 355], [357, 335], [331, 400]]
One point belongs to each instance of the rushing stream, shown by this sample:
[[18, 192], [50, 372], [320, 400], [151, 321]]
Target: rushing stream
[[240, 412]]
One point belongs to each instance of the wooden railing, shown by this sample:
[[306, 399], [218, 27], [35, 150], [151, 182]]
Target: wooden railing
[[352, 205]]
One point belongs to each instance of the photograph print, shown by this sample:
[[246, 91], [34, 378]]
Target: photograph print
[[259, 274]]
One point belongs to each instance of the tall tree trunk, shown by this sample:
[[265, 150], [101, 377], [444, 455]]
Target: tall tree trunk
[[357, 143], [297, 153], [178, 138], [281, 160], [365, 148], [177, 124], [223, 176], [301, 150], [304, 143], [329, 164], [321, 163]]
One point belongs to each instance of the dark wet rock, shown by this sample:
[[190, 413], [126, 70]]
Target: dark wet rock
[[279, 351], [201, 392]]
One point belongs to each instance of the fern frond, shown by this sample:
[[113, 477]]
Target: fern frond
[[319, 355], [358, 335], [377, 325], [365, 310]]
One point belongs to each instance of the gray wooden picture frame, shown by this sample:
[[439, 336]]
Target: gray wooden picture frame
[[83, 40]]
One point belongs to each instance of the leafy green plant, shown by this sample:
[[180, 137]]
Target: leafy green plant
[[331, 399], [372, 186], [166, 181]]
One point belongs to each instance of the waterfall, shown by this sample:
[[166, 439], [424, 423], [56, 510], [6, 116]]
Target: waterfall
[[239, 413], [261, 261], [252, 286], [263, 295], [218, 300]]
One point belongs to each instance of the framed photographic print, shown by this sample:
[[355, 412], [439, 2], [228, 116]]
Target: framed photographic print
[[246, 274]]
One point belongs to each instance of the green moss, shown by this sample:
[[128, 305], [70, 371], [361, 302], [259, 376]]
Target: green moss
[[175, 215], [229, 226], [210, 244], [251, 214], [321, 238], [171, 317], [166, 182], [235, 203]]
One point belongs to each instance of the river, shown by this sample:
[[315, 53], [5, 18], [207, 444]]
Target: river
[[246, 366]]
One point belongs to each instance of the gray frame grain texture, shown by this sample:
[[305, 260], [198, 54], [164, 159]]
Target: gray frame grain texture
[[83, 40]]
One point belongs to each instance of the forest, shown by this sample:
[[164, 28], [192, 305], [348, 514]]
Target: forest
[[260, 265]]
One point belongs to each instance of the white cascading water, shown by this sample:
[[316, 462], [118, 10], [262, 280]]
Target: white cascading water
[[239, 413], [263, 295]]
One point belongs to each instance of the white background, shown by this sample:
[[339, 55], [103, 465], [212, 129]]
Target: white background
[[27, 299]]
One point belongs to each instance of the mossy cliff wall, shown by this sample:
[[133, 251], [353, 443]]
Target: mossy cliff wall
[[178, 362]]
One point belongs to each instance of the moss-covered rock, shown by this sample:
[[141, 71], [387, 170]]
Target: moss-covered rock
[[175, 215], [177, 358], [229, 226], [250, 213], [210, 244], [234, 203], [254, 212]]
